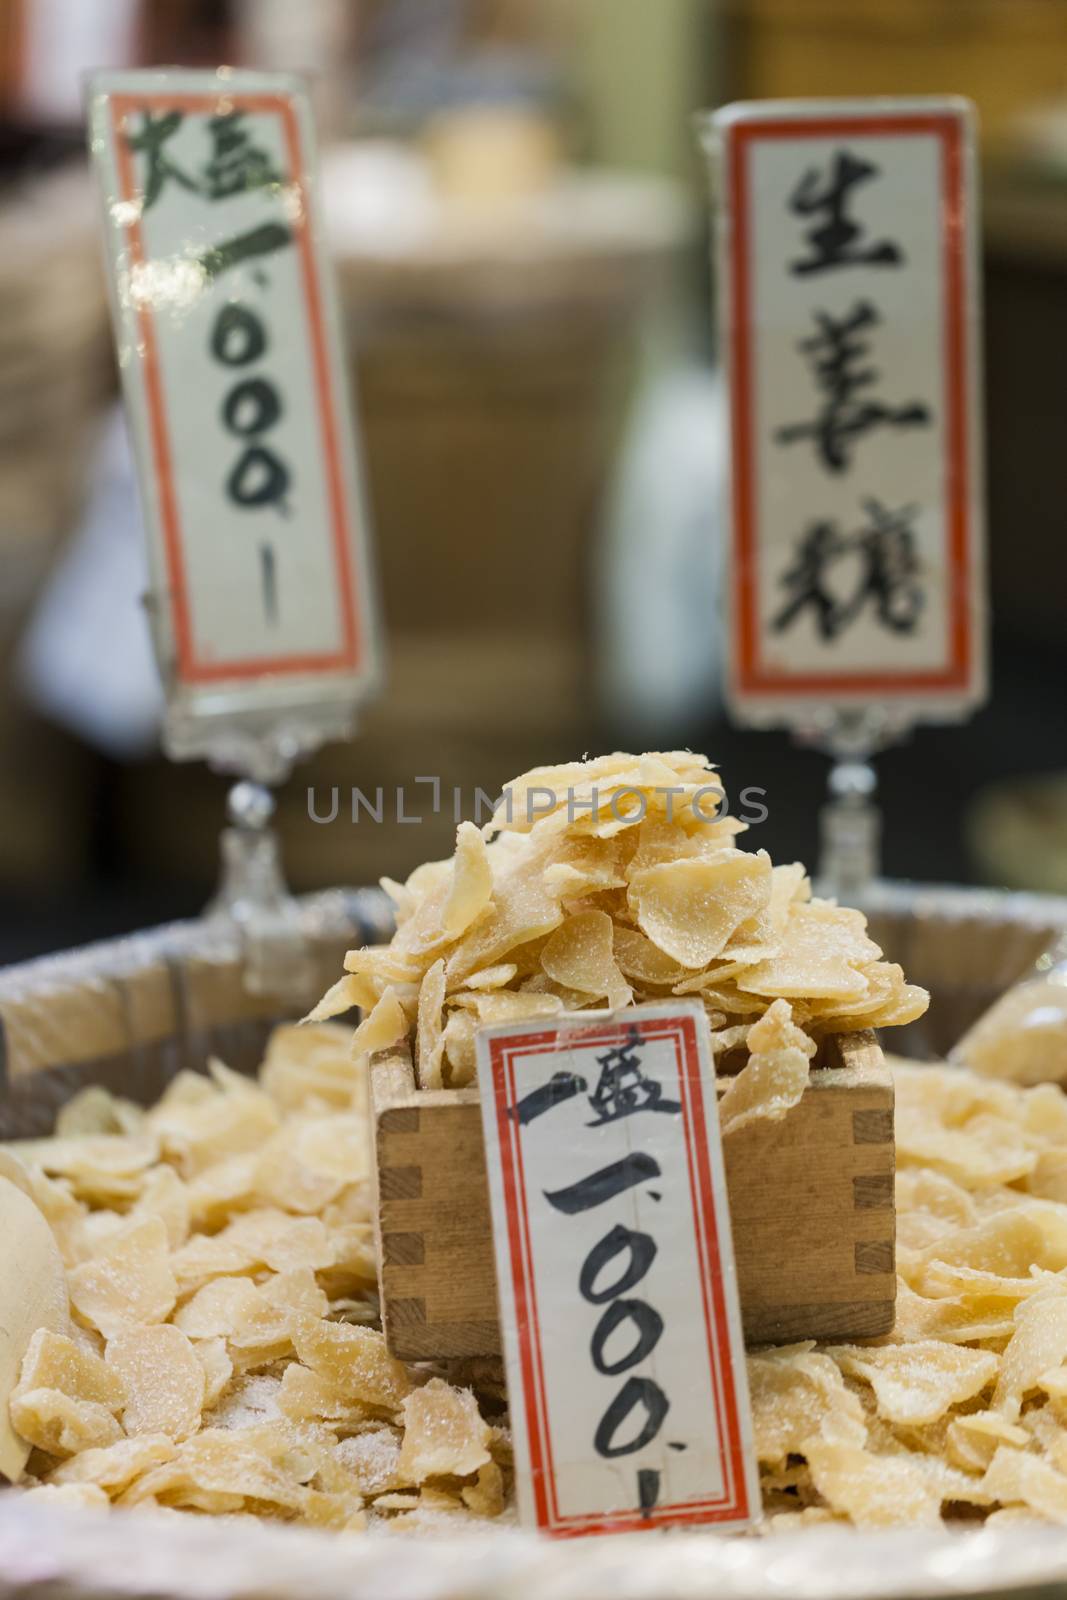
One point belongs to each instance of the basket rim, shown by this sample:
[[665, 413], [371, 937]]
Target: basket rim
[[144, 1555]]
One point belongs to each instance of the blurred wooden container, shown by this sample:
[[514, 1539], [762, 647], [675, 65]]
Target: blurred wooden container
[[1004, 56]]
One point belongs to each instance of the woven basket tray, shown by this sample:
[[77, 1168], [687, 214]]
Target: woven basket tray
[[132, 1013]]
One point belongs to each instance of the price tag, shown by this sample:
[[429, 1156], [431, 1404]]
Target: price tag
[[618, 1302], [848, 293], [231, 358]]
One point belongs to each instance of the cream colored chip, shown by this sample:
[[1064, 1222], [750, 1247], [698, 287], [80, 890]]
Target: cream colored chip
[[948, 1482], [217, 1192], [250, 1402], [429, 1038], [269, 1238], [1043, 1425], [129, 1280], [918, 1383], [55, 1361], [1015, 1477], [312, 1065], [1054, 1383], [116, 1466], [573, 881], [404, 899], [1006, 1245], [725, 1039], [975, 1157], [1048, 1176], [929, 1207], [371, 1456], [505, 1005], [218, 1368], [580, 955], [294, 1170], [220, 1469], [354, 1360], [823, 949], [60, 1425], [383, 964], [264, 1335], [444, 1434], [385, 1026], [471, 888], [307, 1396], [205, 1258], [972, 1440], [684, 837], [523, 909], [776, 1075], [1038, 1344], [893, 1004], [164, 1195], [102, 1169], [486, 1497], [96, 1110], [873, 1491], [336, 1147], [236, 1115], [163, 1380], [645, 962], [953, 1318], [689, 908], [797, 1393], [459, 1036], [497, 977], [944, 1279], [793, 1521], [348, 992]]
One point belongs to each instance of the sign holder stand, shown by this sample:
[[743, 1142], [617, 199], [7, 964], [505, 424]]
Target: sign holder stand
[[262, 602], [850, 822], [848, 296], [254, 897]]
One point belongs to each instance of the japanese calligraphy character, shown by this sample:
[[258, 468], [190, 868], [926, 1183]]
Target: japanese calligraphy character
[[258, 241], [836, 353], [156, 130], [888, 574], [560, 1087], [235, 165], [835, 242], [622, 1087]]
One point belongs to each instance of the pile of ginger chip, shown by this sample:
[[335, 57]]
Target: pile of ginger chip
[[612, 882], [224, 1354]]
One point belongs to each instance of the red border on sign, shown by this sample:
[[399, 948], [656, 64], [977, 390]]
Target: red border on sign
[[733, 1504], [750, 675], [190, 669]]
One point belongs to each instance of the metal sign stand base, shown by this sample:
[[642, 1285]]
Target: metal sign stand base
[[254, 897]]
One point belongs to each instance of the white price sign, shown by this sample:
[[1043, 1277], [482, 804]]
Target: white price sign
[[231, 360], [848, 292], [619, 1311]]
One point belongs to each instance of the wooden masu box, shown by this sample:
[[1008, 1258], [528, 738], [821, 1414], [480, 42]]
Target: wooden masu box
[[811, 1205]]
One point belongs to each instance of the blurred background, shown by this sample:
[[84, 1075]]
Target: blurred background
[[519, 217]]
